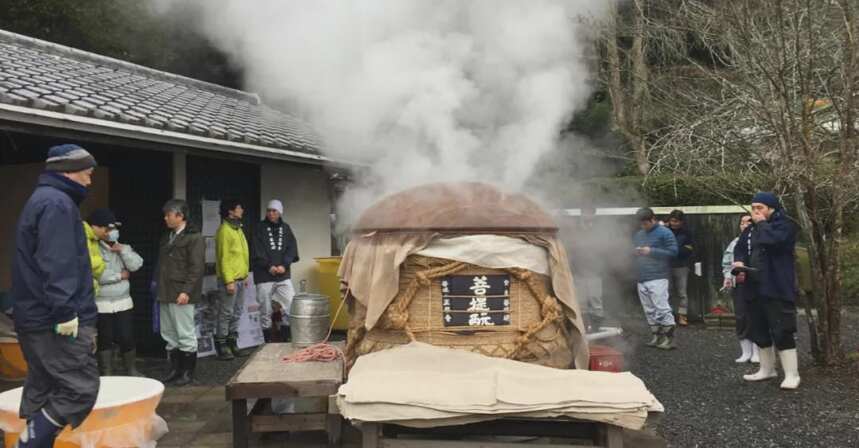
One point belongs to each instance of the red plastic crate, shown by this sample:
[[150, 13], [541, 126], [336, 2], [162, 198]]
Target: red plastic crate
[[605, 359]]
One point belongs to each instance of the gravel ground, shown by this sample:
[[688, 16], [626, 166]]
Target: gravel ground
[[709, 405]]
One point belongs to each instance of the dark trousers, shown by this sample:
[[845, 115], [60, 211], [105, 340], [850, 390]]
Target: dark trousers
[[741, 313], [773, 322], [62, 375], [116, 328]]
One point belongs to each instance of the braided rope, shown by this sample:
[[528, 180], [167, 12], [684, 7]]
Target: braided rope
[[397, 314]]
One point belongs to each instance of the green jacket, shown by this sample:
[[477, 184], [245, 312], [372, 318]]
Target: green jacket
[[95, 258], [181, 265], [233, 256]]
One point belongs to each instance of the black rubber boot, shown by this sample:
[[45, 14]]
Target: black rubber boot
[[266, 335], [105, 363], [128, 358], [175, 366], [189, 363], [224, 352], [40, 432], [232, 343]]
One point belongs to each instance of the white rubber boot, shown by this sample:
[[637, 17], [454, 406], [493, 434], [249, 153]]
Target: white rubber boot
[[756, 353], [767, 369], [790, 365], [746, 347]]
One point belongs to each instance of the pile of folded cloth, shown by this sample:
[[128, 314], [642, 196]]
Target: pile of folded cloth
[[421, 385]]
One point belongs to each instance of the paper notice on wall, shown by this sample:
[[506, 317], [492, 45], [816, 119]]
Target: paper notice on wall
[[210, 250], [250, 330], [204, 320], [211, 217]]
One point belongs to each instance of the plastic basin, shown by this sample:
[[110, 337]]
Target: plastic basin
[[12, 364], [123, 416]]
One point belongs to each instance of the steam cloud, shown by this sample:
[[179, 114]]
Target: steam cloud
[[420, 90]]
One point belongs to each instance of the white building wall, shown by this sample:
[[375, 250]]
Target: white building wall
[[303, 190]]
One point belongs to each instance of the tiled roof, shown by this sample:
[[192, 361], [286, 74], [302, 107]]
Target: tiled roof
[[46, 76]]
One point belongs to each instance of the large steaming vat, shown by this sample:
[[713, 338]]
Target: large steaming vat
[[466, 266]]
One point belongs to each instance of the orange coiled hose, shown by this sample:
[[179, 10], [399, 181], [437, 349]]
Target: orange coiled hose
[[321, 352]]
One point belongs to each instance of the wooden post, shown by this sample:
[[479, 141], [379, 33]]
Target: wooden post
[[370, 435], [240, 423]]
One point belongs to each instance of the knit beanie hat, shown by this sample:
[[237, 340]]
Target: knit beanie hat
[[69, 158], [274, 204], [766, 198], [103, 218]]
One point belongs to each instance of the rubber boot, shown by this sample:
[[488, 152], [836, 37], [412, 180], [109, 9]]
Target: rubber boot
[[746, 347], [105, 363], [790, 365], [657, 336], [175, 367], [40, 432], [596, 323], [756, 354], [188, 362], [232, 343], [224, 352], [128, 359], [667, 342], [266, 335], [767, 369]]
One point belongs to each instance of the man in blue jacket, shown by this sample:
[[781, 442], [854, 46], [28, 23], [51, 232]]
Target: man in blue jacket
[[655, 247], [765, 253], [54, 303]]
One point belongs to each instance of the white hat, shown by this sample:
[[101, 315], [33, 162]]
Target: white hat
[[274, 204]]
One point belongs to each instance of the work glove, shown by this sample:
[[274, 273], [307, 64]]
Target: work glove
[[69, 328]]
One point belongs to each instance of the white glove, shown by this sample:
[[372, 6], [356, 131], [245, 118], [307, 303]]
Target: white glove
[[69, 328]]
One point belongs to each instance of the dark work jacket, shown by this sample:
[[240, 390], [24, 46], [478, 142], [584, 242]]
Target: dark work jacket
[[685, 247], [273, 244], [181, 265], [52, 278], [771, 251]]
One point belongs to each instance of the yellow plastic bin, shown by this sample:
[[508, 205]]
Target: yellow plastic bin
[[329, 285]]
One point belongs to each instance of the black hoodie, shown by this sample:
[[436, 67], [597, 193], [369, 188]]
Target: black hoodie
[[273, 245]]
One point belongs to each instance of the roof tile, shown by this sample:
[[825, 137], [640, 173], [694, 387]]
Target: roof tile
[[47, 76]]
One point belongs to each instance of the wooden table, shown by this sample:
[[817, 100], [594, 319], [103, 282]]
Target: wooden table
[[265, 376], [377, 435]]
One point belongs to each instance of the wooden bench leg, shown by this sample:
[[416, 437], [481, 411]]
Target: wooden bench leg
[[240, 423], [614, 437], [370, 435], [334, 424], [609, 436]]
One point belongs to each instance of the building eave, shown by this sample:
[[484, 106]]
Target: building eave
[[86, 124]]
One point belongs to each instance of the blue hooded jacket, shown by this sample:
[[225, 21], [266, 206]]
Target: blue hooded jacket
[[771, 251], [663, 248], [51, 271]]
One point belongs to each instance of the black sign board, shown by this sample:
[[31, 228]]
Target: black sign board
[[475, 300]]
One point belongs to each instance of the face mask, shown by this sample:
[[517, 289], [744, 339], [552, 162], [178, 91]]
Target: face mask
[[113, 235]]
